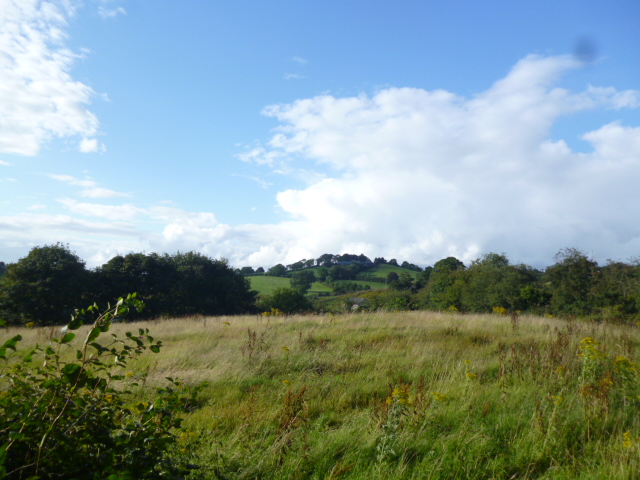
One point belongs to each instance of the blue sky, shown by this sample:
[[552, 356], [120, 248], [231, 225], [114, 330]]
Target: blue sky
[[271, 131]]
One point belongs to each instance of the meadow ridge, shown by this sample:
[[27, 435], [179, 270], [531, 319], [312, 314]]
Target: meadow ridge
[[402, 395]]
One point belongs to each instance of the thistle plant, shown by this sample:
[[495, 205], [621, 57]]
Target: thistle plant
[[398, 404]]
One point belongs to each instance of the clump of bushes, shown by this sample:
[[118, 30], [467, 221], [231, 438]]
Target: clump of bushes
[[66, 414]]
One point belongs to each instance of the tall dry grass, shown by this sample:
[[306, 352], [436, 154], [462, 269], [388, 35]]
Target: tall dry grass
[[403, 395]]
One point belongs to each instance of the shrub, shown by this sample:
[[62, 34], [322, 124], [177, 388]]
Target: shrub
[[83, 418]]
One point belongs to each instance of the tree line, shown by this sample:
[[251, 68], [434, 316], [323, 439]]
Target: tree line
[[46, 286], [574, 285]]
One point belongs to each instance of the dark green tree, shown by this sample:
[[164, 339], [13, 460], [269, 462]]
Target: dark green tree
[[325, 260], [492, 281], [151, 275], [44, 287], [440, 293], [287, 300], [617, 290], [302, 280], [404, 282], [571, 281], [278, 270], [422, 279], [208, 287], [392, 279], [247, 270]]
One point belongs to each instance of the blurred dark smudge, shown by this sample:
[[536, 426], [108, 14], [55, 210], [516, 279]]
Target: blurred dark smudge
[[585, 49]]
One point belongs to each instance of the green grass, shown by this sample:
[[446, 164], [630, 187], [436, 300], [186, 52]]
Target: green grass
[[410, 395], [265, 284], [383, 270]]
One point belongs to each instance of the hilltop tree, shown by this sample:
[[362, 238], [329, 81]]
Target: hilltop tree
[[44, 287], [325, 260], [278, 270]]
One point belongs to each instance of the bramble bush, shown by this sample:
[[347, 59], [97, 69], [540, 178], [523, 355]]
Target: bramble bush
[[84, 418]]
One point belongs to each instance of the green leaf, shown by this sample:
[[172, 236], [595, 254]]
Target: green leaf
[[50, 351], [68, 337], [75, 324], [99, 347], [155, 348], [95, 333], [71, 372], [12, 342]]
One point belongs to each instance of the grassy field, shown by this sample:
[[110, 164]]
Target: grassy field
[[383, 270], [411, 395], [265, 284]]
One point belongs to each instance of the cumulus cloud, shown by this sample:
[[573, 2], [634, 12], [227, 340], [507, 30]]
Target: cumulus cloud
[[423, 174], [39, 99]]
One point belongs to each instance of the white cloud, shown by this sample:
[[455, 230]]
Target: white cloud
[[90, 187], [299, 60], [91, 145], [122, 213], [106, 12], [39, 99], [407, 173], [424, 174], [4, 164], [37, 206]]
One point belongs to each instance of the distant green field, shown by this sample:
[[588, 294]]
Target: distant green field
[[384, 270], [318, 287], [265, 284], [373, 285]]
